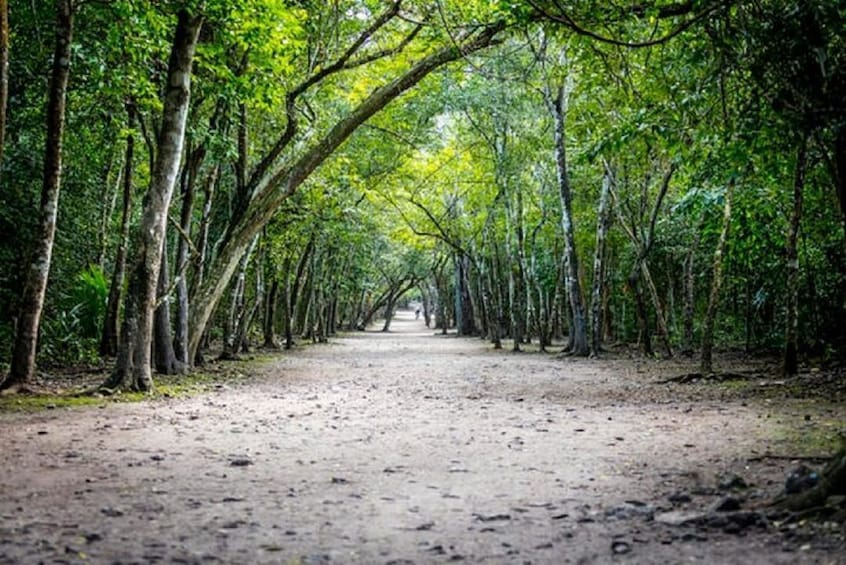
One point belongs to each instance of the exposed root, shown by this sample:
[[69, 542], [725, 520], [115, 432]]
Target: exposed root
[[688, 378], [832, 482]]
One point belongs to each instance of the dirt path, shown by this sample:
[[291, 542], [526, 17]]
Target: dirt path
[[396, 448]]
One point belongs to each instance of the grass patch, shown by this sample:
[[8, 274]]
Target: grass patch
[[71, 394]]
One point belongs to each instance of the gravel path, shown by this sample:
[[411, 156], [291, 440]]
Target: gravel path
[[403, 447]]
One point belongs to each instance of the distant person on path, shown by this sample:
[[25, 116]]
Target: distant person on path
[[417, 314]]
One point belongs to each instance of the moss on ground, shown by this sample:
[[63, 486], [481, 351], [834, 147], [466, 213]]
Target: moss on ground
[[166, 386]]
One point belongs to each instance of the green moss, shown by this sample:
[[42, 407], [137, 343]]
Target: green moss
[[815, 435], [821, 439], [166, 386], [38, 402], [735, 384]]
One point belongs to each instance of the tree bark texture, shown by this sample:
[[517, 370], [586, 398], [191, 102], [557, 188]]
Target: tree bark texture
[[269, 323], [200, 261], [279, 182], [791, 332], [242, 338], [465, 324], [495, 325], [188, 188], [132, 370], [32, 300], [165, 359], [602, 225], [426, 303], [578, 322], [515, 248]]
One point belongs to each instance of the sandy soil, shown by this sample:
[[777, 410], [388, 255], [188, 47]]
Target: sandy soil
[[408, 447]]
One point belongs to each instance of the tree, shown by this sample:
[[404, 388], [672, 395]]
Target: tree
[[600, 264], [705, 362], [272, 181], [132, 370], [32, 302], [557, 101], [296, 133], [791, 334], [111, 320]]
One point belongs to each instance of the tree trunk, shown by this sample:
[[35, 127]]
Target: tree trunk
[[319, 288], [108, 208], [465, 324], [705, 363], [558, 317], [791, 333], [389, 311], [209, 189], [394, 295], [660, 315], [608, 333], [644, 335], [202, 252], [643, 245], [496, 314], [109, 341], [22, 368], [269, 325], [293, 292], [242, 337], [523, 290], [602, 225], [189, 182], [165, 359], [4, 73], [307, 312], [274, 186], [426, 302], [441, 316], [689, 284], [237, 309], [132, 370], [578, 324], [516, 272]]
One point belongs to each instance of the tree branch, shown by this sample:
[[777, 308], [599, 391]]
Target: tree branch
[[290, 99], [563, 17]]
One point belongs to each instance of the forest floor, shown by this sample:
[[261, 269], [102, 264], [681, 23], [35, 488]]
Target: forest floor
[[410, 447]]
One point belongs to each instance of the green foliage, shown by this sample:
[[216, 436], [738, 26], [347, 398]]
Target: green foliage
[[72, 334], [89, 297], [460, 166], [61, 341], [795, 54]]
